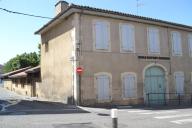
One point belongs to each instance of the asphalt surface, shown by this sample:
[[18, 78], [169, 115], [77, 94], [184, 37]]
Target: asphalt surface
[[100, 118], [25, 107]]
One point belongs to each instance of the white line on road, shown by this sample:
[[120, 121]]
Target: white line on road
[[173, 116], [183, 121], [138, 111], [159, 112]]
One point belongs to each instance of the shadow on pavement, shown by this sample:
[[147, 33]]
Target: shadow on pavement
[[41, 107]]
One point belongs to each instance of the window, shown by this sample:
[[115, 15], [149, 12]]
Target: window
[[179, 82], [129, 85], [153, 41], [127, 37], [190, 44], [101, 34], [176, 44], [103, 86]]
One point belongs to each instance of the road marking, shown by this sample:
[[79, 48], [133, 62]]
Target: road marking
[[173, 116], [159, 112], [138, 111], [10, 103], [183, 121]]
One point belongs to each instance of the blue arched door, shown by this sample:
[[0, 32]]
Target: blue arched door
[[155, 85]]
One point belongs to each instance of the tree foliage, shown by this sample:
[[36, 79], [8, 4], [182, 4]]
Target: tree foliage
[[22, 61]]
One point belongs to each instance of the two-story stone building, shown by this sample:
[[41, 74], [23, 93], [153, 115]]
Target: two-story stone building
[[125, 57]]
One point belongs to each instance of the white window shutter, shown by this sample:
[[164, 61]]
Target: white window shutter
[[106, 87], [101, 35], [98, 36], [127, 38], [99, 87], [103, 86], [105, 35], [131, 38], [179, 49], [153, 39], [157, 41], [129, 86], [176, 43], [190, 44], [124, 37]]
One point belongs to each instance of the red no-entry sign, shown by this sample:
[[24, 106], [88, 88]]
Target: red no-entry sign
[[79, 70]]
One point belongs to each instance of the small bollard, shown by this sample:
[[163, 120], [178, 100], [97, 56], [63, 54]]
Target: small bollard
[[114, 118]]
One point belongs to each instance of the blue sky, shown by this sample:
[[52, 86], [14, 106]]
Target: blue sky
[[17, 31]]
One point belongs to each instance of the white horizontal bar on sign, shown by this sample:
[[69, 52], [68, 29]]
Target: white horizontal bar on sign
[[160, 112], [173, 116], [183, 121]]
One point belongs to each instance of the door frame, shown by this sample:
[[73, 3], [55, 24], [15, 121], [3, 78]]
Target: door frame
[[166, 79]]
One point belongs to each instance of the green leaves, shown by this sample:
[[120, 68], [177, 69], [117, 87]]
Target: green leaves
[[22, 61]]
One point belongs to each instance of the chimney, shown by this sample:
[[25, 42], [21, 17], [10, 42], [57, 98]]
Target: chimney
[[60, 6]]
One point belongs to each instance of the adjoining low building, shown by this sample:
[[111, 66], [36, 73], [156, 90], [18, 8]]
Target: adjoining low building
[[23, 81]]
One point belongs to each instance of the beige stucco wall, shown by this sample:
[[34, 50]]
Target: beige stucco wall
[[26, 91], [115, 63], [7, 84], [56, 67]]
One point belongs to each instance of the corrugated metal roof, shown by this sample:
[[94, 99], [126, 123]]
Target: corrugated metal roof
[[19, 75], [33, 70], [14, 72], [21, 72]]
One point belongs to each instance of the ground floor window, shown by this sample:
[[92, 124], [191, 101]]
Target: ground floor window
[[129, 83], [179, 82], [103, 86]]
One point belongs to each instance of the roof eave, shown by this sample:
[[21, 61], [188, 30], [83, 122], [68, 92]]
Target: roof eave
[[77, 9], [55, 20]]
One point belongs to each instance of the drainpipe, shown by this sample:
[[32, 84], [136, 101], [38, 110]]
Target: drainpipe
[[80, 54]]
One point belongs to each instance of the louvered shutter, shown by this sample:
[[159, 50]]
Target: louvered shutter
[[106, 87], [176, 40], [190, 44], [127, 38], [154, 43], [98, 35], [100, 87], [103, 83], [129, 86], [101, 35]]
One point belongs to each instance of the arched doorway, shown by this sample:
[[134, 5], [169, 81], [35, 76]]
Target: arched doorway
[[155, 88]]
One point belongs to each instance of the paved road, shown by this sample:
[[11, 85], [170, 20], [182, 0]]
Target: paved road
[[99, 118]]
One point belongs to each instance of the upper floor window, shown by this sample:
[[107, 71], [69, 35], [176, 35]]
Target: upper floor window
[[127, 37], [179, 82], [101, 35], [176, 44], [190, 44], [129, 82], [153, 41]]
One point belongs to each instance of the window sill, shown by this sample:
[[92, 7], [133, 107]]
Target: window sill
[[102, 50]]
